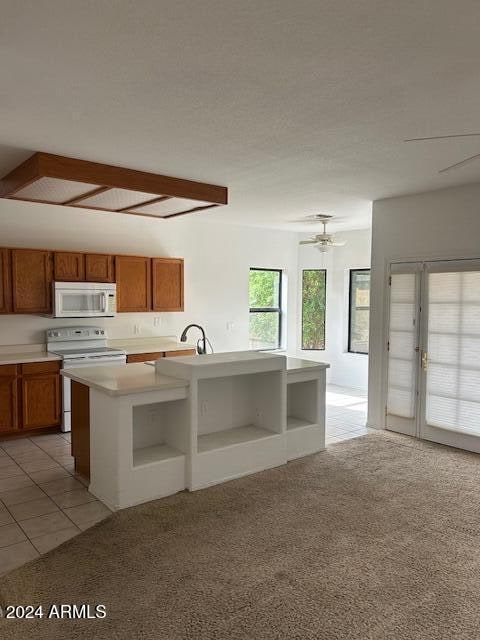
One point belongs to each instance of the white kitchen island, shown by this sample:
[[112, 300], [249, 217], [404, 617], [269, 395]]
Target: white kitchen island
[[193, 421]]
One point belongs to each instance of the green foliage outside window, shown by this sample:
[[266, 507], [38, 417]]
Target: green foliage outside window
[[359, 310], [313, 309], [265, 308]]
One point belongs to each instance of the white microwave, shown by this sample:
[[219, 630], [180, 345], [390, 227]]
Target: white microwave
[[84, 299]]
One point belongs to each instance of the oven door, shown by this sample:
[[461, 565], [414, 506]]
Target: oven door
[[83, 303]]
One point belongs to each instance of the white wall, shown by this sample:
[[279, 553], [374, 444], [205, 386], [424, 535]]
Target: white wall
[[217, 260], [432, 225], [346, 369]]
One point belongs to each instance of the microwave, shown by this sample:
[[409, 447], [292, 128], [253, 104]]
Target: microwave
[[84, 299]]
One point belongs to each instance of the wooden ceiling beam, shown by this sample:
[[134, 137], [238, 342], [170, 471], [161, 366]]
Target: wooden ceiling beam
[[110, 176]]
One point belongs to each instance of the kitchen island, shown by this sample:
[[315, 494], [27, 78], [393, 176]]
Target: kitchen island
[[142, 432]]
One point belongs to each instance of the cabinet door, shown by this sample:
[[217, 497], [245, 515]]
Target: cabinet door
[[32, 273], [8, 398], [5, 282], [99, 268], [134, 283], [183, 352], [144, 357], [41, 404], [69, 267], [167, 280]]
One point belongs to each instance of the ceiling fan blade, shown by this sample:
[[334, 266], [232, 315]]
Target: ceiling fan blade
[[337, 244], [461, 163], [459, 135], [308, 242]]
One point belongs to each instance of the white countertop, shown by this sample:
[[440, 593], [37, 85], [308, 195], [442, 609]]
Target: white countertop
[[224, 357], [124, 379], [149, 345], [297, 364], [27, 356]]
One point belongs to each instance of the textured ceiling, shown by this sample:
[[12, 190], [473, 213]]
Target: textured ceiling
[[297, 106]]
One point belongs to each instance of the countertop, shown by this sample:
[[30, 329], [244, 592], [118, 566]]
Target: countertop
[[133, 346], [297, 364], [27, 356], [124, 380]]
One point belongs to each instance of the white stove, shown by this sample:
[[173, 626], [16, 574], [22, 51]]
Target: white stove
[[81, 347]]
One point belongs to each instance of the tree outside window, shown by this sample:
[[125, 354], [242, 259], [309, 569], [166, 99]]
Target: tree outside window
[[265, 293], [314, 288], [359, 315]]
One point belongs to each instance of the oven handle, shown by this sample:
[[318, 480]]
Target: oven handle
[[93, 361]]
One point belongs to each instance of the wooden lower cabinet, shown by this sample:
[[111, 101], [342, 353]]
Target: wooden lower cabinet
[[144, 357], [155, 355], [30, 396], [8, 398], [185, 352], [81, 428]]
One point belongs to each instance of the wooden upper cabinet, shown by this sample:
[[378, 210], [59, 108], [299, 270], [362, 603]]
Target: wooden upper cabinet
[[134, 283], [99, 268], [41, 400], [69, 266], [5, 282], [32, 272], [8, 398], [167, 284]]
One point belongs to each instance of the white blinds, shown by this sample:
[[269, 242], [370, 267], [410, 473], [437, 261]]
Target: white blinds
[[453, 373], [402, 339]]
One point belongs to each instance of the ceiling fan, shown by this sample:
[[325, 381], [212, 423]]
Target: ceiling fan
[[459, 135], [323, 241]]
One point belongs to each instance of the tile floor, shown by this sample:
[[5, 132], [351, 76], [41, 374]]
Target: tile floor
[[346, 413], [42, 501]]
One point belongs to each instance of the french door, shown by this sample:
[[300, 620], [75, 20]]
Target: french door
[[433, 388]]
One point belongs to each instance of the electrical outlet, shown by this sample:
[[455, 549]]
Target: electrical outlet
[[203, 408], [136, 329], [230, 326], [157, 321]]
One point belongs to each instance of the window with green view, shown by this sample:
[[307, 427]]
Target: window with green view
[[265, 292], [359, 316], [314, 295]]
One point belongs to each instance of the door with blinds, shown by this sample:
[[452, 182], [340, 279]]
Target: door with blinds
[[403, 348], [434, 352], [450, 371]]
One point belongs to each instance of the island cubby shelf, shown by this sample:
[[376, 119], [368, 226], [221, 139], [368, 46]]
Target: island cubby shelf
[[231, 437], [155, 453], [305, 414]]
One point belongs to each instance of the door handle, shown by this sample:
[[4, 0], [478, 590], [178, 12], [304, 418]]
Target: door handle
[[424, 360]]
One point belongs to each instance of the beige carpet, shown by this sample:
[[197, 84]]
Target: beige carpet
[[379, 537]]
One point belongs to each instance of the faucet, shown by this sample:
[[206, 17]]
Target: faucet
[[201, 344]]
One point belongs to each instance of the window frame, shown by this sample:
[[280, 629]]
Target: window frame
[[350, 301], [278, 309], [325, 312]]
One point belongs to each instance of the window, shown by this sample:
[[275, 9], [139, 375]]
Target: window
[[265, 293], [359, 310], [314, 287]]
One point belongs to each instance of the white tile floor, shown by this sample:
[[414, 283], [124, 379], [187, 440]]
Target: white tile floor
[[346, 413], [43, 503]]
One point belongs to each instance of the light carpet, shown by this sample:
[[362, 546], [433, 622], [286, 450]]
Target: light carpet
[[378, 537]]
